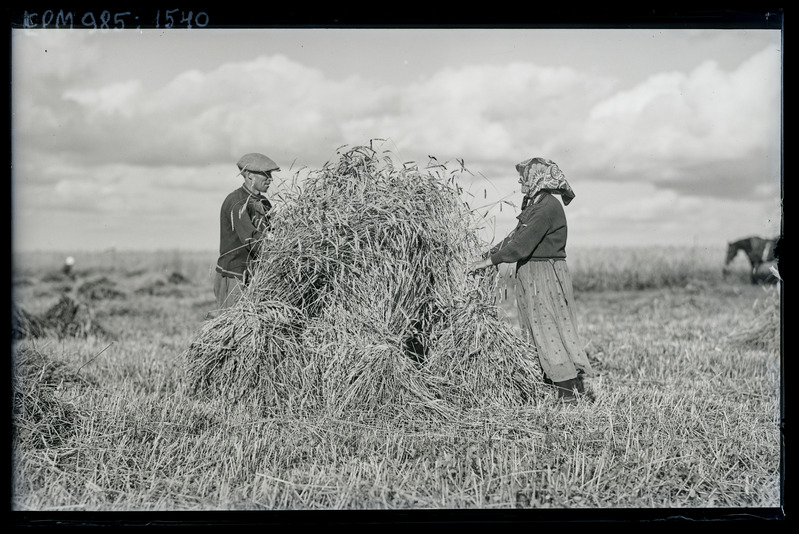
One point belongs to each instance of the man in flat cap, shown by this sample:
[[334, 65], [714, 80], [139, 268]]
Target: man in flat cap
[[244, 223]]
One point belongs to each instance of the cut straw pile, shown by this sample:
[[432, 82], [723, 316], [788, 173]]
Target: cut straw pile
[[66, 318], [360, 304], [24, 324], [41, 418]]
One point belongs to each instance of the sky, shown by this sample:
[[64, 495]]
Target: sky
[[128, 139]]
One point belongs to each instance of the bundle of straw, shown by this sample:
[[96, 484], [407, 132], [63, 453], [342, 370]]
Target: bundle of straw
[[360, 302], [70, 318], [25, 324], [99, 289], [41, 419]]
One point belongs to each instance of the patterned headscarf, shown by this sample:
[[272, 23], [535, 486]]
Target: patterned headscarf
[[540, 174]]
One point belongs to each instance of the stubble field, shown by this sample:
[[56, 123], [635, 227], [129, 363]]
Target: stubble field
[[686, 409]]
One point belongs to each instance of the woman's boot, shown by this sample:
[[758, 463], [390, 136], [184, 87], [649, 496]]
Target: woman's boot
[[568, 389], [580, 384]]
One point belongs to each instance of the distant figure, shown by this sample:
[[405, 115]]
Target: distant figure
[[244, 223], [69, 263], [544, 291], [758, 251]]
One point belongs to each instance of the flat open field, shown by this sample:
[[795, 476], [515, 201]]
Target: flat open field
[[686, 409]]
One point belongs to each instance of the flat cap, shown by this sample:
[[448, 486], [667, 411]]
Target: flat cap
[[257, 163]]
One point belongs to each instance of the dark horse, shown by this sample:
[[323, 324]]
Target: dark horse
[[757, 250]]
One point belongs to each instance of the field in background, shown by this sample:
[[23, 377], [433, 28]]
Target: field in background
[[686, 410], [195, 265], [593, 269]]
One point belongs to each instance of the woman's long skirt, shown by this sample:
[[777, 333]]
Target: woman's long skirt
[[545, 299], [226, 290]]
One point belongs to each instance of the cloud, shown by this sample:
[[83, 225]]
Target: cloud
[[53, 58], [125, 147], [484, 113], [207, 117], [272, 101], [108, 100], [494, 114], [637, 213], [677, 128], [43, 63]]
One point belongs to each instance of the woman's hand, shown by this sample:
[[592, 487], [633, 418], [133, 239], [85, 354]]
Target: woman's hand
[[479, 263]]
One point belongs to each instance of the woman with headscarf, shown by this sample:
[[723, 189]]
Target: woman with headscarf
[[544, 293]]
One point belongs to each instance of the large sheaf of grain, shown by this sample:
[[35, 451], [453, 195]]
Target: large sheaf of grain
[[360, 304]]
